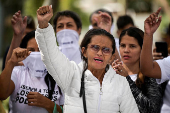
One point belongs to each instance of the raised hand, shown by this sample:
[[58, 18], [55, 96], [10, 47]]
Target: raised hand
[[19, 54], [152, 23], [18, 24], [104, 21], [44, 14]]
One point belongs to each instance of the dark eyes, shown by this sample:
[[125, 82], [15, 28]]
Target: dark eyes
[[131, 46], [31, 49]]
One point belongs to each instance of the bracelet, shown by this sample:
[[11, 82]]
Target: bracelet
[[61, 108], [55, 109]]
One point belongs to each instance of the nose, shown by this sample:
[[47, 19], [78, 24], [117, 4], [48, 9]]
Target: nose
[[99, 53], [65, 27], [126, 49]]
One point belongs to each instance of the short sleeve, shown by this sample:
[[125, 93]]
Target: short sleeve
[[15, 77], [164, 65]]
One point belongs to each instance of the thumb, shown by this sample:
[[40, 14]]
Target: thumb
[[20, 64], [50, 8]]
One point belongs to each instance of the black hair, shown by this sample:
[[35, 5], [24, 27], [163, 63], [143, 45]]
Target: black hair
[[122, 21], [30, 22], [137, 33], [50, 82], [67, 13], [102, 10], [27, 37]]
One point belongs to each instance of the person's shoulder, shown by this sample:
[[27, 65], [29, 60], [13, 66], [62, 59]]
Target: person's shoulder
[[19, 69]]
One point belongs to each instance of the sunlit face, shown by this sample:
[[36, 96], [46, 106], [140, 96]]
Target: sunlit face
[[97, 60], [129, 50], [64, 22], [32, 45]]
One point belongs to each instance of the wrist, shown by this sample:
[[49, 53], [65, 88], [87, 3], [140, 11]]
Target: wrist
[[11, 63], [43, 25], [149, 36], [50, 107], [18, 35]]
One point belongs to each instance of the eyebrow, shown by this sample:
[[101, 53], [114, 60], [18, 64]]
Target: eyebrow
[[66, 23]]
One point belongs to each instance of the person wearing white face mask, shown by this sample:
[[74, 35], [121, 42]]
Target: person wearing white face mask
[[67, 26], [30, 87]]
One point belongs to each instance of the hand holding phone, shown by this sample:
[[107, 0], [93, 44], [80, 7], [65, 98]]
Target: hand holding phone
[[162, 47]]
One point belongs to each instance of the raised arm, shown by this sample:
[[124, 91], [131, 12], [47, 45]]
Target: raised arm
[[147, 65], [59, 67], [6, 84], [18, 25]]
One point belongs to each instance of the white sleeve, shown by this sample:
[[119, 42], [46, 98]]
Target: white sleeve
[[164, 65], [128, 103], [15, 77], [60, 68]]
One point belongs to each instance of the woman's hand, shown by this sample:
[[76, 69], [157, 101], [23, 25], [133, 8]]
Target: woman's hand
[[152, 23], [36, 99], [18, 55], [104, 21], [18, 24], [156, 55], [44, 14], [118, 67]]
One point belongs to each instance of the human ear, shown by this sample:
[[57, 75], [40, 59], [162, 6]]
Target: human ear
[[79, 31], [83, 51]]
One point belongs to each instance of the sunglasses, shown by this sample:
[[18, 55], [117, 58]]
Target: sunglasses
[[105, 50]]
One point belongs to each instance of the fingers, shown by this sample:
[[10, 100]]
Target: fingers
[[153, 18], [44, 9], [156, 55], [15, 17], [21, 53], [158, 11]]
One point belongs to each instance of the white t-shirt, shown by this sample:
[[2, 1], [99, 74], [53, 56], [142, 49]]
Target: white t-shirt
[[133, 77], [24, 83], [164, 65]]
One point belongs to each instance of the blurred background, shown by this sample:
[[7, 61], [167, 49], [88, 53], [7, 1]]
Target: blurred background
[[139, 10]]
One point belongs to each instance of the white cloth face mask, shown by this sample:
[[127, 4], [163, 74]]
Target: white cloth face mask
[[35, 65], [68, 43]]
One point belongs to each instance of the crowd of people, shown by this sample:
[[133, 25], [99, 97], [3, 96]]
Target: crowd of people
[[47, 71]]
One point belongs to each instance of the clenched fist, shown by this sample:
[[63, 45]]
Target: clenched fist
[[19, 54], [44, 14]]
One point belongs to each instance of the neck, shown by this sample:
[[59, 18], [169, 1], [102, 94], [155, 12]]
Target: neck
[[99, 74], [132, 68]]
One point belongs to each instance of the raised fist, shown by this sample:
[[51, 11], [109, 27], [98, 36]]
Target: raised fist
[[19, 54], [44, 14]]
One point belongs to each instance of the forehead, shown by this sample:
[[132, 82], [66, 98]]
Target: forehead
[[32, 42], [65, 19], [101, 40], [129, 40]]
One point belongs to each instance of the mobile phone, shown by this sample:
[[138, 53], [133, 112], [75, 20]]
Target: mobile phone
[[162, 47]]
